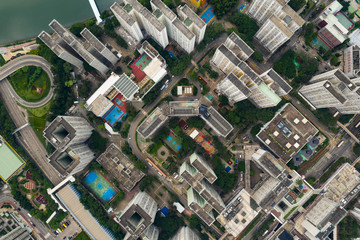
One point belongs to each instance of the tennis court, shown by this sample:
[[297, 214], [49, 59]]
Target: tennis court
[[172, 142], [100, 186], [344, 20], [208, 15]]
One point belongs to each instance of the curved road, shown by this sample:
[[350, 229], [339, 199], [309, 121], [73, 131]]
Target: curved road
[[27, 60]]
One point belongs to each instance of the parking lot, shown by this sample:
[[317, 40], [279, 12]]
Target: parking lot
[[71, 231]]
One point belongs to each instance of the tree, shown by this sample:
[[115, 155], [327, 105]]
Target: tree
[[179, 65], [244, 24], [224, 101], [173, 122], [196, 122], [84, 89], [67, 67], [97, 142], [140, 165], [117, 126], [195, 223], [356, 149], [256, 129], [70, 83], [121, 42], [297, 4], [334, 60], [168, 225], [222, 7], [212, 32], [285, 65], [76, 28], [257, 56], [126, 149]]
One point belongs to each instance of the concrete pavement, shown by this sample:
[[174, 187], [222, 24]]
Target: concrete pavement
[[28, 60]]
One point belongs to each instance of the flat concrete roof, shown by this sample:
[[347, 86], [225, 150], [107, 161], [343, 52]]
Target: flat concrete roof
[[164, 9], [287, 132], [121, 12], [182, 28], [120, 167], [10, 161], [69, 197], [241, 44], [193, 16]]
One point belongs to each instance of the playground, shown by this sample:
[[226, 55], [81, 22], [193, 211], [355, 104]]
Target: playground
[[100, 186], [208, 15], [242, 7], [172, 142]]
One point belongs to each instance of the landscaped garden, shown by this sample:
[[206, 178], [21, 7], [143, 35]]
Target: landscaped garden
[[37, 119], [31, 83]]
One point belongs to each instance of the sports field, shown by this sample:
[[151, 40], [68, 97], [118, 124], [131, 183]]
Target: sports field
[[143, 61], [100, 186], [173, 142], [208, 15], [10, 161]]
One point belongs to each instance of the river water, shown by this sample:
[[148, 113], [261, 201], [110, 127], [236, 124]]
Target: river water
[[22, 19]]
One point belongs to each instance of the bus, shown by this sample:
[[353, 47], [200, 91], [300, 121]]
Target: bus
[[341, 143], [161, 173]]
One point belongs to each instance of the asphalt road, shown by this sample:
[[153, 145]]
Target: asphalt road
[[345, 150], [39, 227], [28, 138], [28, 60]]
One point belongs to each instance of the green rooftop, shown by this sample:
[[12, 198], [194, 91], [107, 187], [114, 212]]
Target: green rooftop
[[128, 8], [269, 93], [157, 13], [188, 21], [10, 161]]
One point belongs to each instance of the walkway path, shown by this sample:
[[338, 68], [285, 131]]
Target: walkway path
[[27, 60]]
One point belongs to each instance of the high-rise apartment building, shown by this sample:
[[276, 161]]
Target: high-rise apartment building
[[185, 233], [98, 46], [278, 22], [333, 89], [138, 215], [175, 28], [126, 21], [352, 61], [279, 28], [68, 41], [59, 50], [202, 198], [192, 21], [68, 134], [147, 21], [241, 82]]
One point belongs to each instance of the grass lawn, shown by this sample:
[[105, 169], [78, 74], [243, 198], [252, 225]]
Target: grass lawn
[[2, 60], [19, 81], [37, 119], [82, 236]]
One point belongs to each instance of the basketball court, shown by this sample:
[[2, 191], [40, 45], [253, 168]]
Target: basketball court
[[100, 186]]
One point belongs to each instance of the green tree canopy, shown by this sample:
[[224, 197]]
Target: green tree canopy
[[222, 7], [297, 4]]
